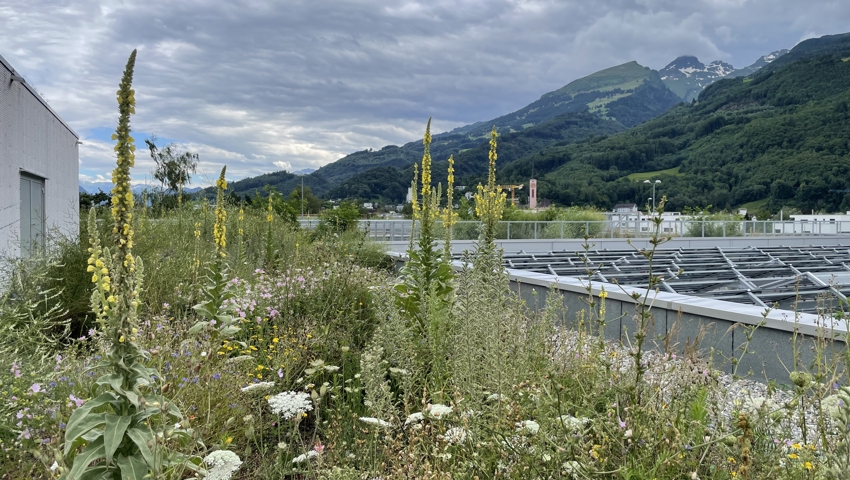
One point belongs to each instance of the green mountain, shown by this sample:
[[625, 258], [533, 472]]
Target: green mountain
[[780, 136], [826, 45], [617, 98], [389, 184], [595, 92]]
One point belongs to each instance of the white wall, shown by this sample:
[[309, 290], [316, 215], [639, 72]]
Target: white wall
[[34, 139]]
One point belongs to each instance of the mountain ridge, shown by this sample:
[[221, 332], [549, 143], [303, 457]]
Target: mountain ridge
[[687, 77], [525, 134], [628, 94], [779, 136]]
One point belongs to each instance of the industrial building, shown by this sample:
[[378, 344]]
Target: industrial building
[[39, 168]]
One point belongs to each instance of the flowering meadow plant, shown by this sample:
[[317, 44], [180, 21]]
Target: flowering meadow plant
[[326, 374], [291, 405]]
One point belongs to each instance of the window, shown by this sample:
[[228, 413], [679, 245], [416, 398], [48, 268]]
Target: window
[[32, 214]]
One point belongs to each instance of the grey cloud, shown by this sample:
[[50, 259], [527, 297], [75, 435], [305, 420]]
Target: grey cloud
[[252, 83]]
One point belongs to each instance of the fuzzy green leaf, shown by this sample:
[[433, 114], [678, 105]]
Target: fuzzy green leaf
[[143, 438], [228, 332], [116, 425], [92, 434], [114, 380], [197, 327], [92, 452], [76, 427], [98, 472]]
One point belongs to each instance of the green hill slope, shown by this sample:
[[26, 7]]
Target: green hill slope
[[595, 93], [782, 135], [826, 45], [389, 184], [606, 102], [620, 97]]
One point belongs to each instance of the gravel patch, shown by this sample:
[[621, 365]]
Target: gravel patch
[[777, 407]]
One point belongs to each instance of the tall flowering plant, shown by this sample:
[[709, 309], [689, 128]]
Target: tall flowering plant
[[425, 293], [220, 227], [214, 306], [490, 201], [427, 271], [448, 214], [125, 430]]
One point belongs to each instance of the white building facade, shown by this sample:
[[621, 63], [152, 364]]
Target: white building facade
[[39, 168], [815, 224]]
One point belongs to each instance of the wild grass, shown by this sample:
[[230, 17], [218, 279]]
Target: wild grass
[[464, 381]]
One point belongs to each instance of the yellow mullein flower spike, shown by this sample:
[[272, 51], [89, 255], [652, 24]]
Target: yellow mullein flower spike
[[426, 163], [220, 229]]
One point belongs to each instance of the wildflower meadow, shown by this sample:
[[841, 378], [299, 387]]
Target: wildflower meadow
[[221, 341]]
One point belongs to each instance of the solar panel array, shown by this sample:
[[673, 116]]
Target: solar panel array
[[808, 279]]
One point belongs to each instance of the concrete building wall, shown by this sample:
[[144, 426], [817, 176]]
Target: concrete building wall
[[35, 141], [712, 329]]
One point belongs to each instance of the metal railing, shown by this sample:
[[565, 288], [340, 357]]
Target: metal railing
[[401, 230]]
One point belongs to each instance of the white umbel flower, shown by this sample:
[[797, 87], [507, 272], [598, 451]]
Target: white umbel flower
[[222, 464], [528, 426], [258, 387], [456, 435], [375, 421], [291, 404], [438, 410]]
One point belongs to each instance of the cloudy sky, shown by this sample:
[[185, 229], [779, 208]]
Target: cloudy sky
[[291, 84]]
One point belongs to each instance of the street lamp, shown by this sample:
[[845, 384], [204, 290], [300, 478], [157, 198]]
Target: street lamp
[[653, 192]]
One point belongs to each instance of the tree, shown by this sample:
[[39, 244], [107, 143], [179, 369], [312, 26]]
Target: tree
[[311, 203], [174, 168], [340, 219], [88, 200]]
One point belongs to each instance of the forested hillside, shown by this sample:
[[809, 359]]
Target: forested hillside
[[778, 137], [619, 97], [606, 102], [389, 184], [782, 135]]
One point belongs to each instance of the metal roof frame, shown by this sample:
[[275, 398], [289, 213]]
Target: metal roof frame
[[791, 278]]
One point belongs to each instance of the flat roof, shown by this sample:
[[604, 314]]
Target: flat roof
[[37, 96], [811, 279]]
